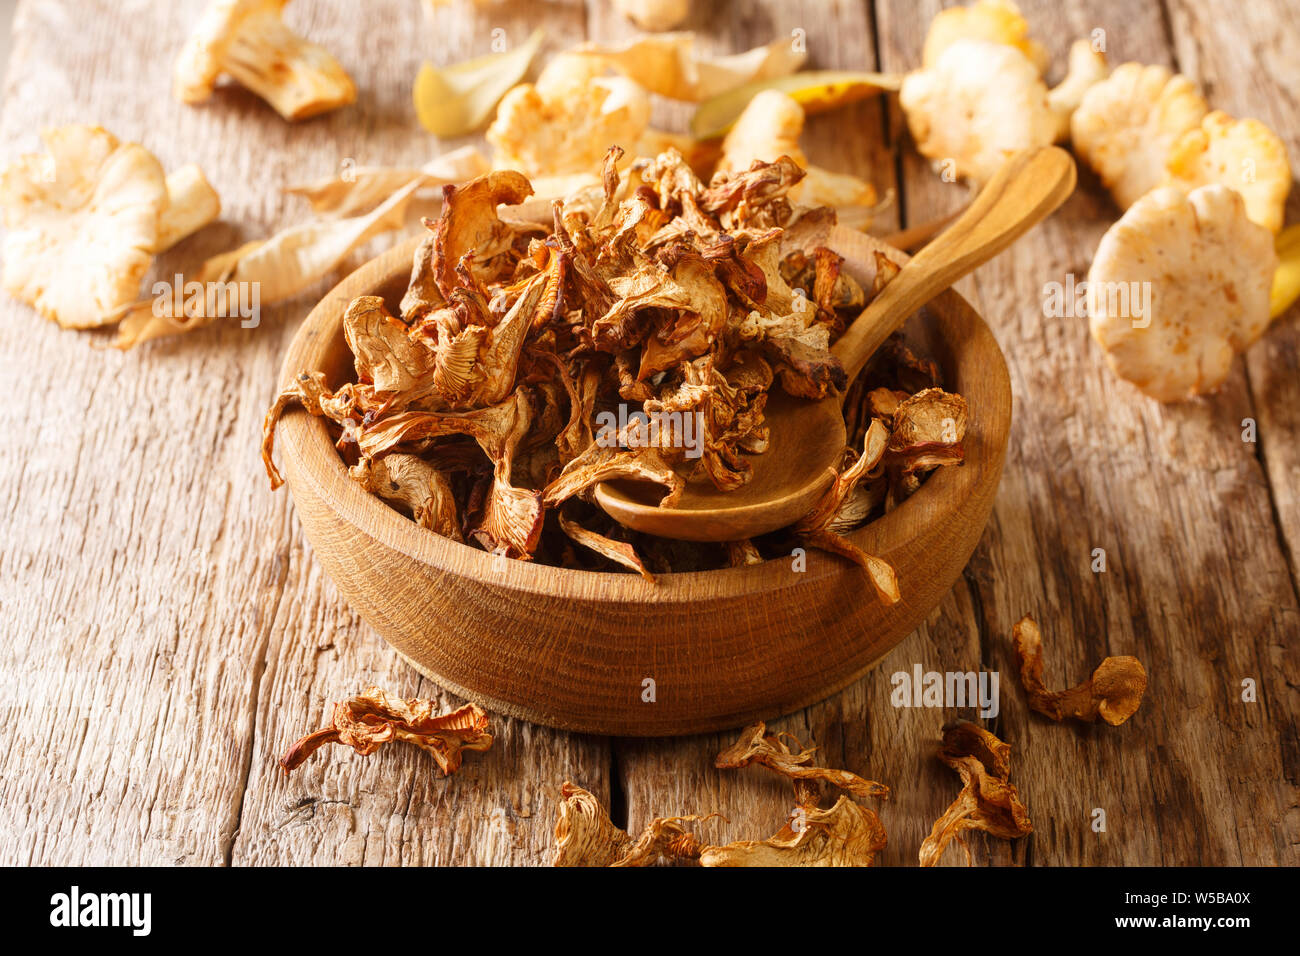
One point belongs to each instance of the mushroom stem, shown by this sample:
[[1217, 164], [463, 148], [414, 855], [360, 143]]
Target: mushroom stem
[[298, 78], [192, 203]]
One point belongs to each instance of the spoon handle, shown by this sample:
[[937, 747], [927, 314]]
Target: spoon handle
[[1022, 193]]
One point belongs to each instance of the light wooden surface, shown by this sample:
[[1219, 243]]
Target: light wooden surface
[[166, 633]]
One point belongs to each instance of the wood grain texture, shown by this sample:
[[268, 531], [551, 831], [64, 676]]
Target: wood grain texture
[[165, 632], [1196, 585]]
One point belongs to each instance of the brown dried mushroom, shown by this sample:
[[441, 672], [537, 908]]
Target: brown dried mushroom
[[369, 720], [845, 835], [636, 337], [987, 801], [756, 746], [1113, 692]]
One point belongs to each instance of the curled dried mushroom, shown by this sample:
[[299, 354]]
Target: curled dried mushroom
[[757, 746], [369, 720], [1113, 692], [636, 336], [987, 800], [846, 834]]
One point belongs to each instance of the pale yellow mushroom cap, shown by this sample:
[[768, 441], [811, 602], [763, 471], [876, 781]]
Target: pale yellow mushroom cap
[[979, 103], [1242, 154], [82, 223], [1179, 285], [1126, 124]]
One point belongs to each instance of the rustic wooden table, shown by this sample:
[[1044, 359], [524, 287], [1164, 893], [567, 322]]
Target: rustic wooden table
[[167, 632]]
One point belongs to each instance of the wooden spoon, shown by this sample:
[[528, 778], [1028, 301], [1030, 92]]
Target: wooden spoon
[[807, 438]]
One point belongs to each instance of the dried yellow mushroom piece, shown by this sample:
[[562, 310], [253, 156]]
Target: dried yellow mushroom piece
[[1179, 285], [757, 746], [993, 21], [654, 15], [249, 41], [1244, 155], [816, 528], [359, 189], [1113, 693], [987, 801], [1087, 68], [1286, 279], [927, 431], [770, 128], [458, 99], [845, 835], [620, 552], [671, 65], [978, 103], [1126, 126], [566, 127], [371, 719], [83, 223], [415, 484], [584, 834]]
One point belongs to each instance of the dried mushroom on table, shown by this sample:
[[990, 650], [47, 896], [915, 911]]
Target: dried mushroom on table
[[635, 335], [845, 834]]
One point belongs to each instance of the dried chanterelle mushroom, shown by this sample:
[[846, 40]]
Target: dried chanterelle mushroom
[[85, 220], [1179, 285], [563, 124], [987, 801], [637, 336], [1114, 692], [249, 41], [847, 834], [369, 720], [994, 21], [757, 746]]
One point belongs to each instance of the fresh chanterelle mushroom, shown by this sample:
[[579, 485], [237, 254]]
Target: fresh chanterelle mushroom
[[1179, 285], [980, 102], [1126, 125], [83, 223], [248, 40]]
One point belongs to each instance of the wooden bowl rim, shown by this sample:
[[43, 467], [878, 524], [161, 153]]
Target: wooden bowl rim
[[943, 490]]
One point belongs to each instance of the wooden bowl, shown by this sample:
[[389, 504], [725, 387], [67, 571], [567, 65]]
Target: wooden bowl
[[576, 649]]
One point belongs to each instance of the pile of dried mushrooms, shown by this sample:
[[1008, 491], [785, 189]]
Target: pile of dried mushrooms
[[636, 335]]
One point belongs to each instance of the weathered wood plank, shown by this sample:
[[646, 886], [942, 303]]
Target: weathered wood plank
[[166, 632], [1196, 585]]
